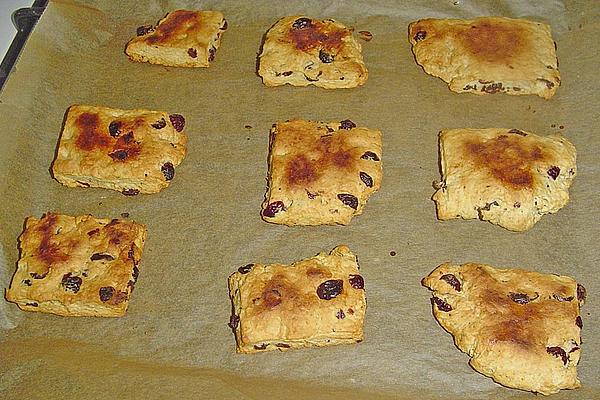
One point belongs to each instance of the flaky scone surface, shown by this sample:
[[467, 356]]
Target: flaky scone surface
[[521, 328], [508, 177], [301, 51], [321, 173], [319, 301], [488, 55], [77, 266], [183, 38], [131, 151]]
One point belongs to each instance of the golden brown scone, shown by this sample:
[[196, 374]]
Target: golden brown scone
[[508, 177], [131, 151], [488, 55], [302, 51], [521, 328], [181, 39], [77, 266], [320, 173], [319, 301]]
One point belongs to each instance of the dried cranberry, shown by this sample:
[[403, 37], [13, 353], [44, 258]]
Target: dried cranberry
[[347, 124], [340, 314], [558, 352], [261, 347], [119, 298], [561, 298], [211, 54], [452, 281], [135, 274], [441, 304], [161, 123], [178, 121], [520, 298], [553, 172], [35, 275], [302, 23], [101, 256], [118, 155], [366, 178], [234, 320], [71, 283], [192, 52], [579, 322], [114, 128], [283, 345], [348, 200], [168, 171], [580, 292], [286, 73], [27, 282], [34, 304], [273, 208], [420, 36], [330, 289], [93, 232], [130, 192], [357, 282], [245, 268], [144, 29], [106, 293], [369, 155], [325, 57]]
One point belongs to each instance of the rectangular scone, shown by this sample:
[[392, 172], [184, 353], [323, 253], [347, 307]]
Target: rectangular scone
[[77, 266], [321, 173], [488, 55], [319, 301], [131, 151], [301, 51], [183, 38]]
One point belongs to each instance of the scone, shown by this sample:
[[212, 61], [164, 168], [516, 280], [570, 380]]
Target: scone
[[319, 301], [320, 173], [131, 151], [181, 39], [77, 266], [521, 328], [302, 51], [508, 177], [488, 55]]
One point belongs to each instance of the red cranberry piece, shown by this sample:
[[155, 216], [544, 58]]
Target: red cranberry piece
[[558, 352], [106, 293], [302, 23], [178, 121], [234, 320], [101, 256], [420, 35], [261, 347], [34, 304], [519, 298], [273, 208], [441, 304], [347, 124], [35, 275], [71, 283], [286, 73], [348, 200], [168, 171], [560, 298], [245, 268], [325, 57], [340, 314], [357, 282], [118, 155], [581, 293], [330, 289], [114, 128], [144, 29], [369, 155], [161, 123], [130, 192], [366, 178], [579, 322], [26, 282], [211, 54], [452, 281], [553, 172], [128, 137], [192, 52]]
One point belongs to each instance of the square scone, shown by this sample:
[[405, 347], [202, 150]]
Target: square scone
[[319, 301], [302, 51], [183, 38], [131, 151], [508, 177], [77, 266], [520, 328], [320, 173], [488, 55]]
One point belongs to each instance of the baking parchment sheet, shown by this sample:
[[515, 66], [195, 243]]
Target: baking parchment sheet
[[174, 341]]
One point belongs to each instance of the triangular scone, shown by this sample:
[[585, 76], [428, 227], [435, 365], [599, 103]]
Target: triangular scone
[[521, 328], [508, 177], [319, 301], [302, 51], [321, 173], [183, 38], [488, 55]]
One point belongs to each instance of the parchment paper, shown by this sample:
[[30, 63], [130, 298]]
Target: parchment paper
[[174, 341]]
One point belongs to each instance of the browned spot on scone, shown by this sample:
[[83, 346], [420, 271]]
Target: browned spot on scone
[[90, 136], [317, 34], [318, 273], [493, 42], [300, 171], [49, 252], [126, 148], [507, 158], [178, 23]]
